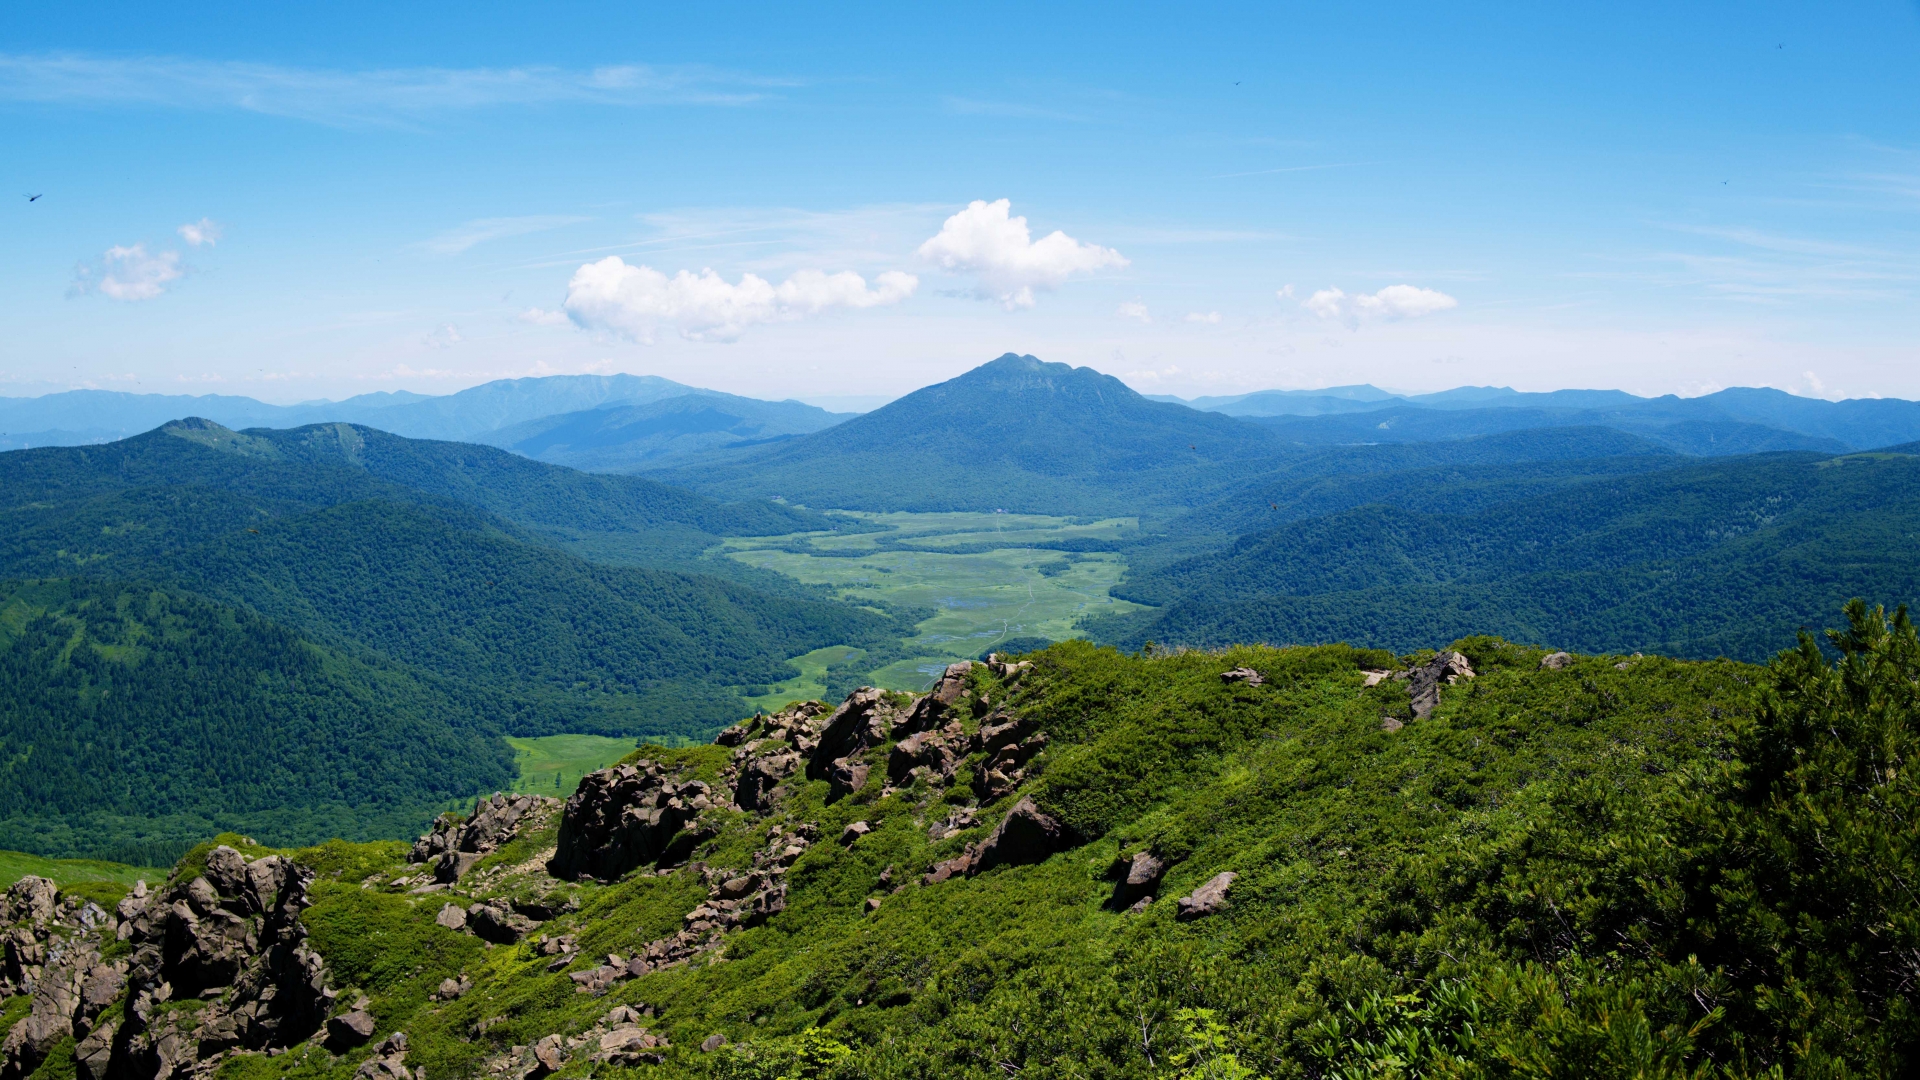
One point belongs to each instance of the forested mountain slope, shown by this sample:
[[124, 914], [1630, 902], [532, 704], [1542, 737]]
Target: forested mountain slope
[[135, 720], [1726, 558], [1255, 863], [1015, 434], [356, 537]]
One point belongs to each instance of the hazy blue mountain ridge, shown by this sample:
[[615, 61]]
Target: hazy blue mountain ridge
[[621, 437]]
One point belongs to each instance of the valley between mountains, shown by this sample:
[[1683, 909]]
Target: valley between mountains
[[1025, 726]]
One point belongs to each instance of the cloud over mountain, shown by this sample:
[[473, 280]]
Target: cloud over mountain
[[987, 241], [633, 300]]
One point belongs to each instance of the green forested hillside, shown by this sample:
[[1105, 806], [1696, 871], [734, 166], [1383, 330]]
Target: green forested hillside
[[1729, 558], [135, 720], [398, 564], [1611, 867]]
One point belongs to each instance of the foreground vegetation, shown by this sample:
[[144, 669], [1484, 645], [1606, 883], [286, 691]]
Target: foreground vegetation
[[1626, 866]]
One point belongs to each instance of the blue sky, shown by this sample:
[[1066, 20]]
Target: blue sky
[[337, 199]]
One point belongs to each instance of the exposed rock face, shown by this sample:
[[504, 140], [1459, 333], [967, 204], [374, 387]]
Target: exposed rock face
[[1242, 675], [457, 843], [1010, 745], [497, 923], [1025, 835], [927, 753], [623, 817], [1557, 661], [236, 929], [1139, 877], [932, 710], [1424, 682], [769, 750], [865, 720], [1208, 899]]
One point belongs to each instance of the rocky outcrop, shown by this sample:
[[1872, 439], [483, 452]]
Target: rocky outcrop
[[1424, 682], [1025, 835], [940, 702], [927, 753], [1139, 877], [1556, 661], [233, 937], [864, 721], [624, 817], [768, 750], [1242, 675], [1009, 744], [456, 843], [1208, 899]]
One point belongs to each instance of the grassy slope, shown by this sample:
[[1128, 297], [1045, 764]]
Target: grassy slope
[[15, 865], [553, 764], [1371, 862]]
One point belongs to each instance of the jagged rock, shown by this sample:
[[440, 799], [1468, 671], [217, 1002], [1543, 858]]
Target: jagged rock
[[455, 844], [758, 776], [498, 924], [1006, 671], [854, 832], [95, 1052], [596, 980], [551, 1053], [631, 1044], [1424, 682], [453, 988], [1206, 900], [712, 1042], [1244, 674], [348, 1030], [452, 916], [231, 936], [873, 904], [927, 712], [56, 1001], [1025, 835], [933, 751], [865, 720], [1009, 746], [734, 888], [558, 946], [1140, 905], [1375, 678], [31, 898], [1557, 661], [1138, 878], [623, 817], [388, 1060]]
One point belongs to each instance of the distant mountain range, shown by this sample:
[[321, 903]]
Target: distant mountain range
[[555, 416], [1733, 421], [632, 423]]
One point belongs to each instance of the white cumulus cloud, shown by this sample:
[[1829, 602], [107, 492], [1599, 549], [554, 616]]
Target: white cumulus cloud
[[129, 273], [1392, 302], [205, 231], [1135, 310], [987, 241], [543, 317], [632, 300]]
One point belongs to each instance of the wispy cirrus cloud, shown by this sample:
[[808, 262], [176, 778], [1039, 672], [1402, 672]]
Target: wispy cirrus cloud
[[479, 231], [346, 98]]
